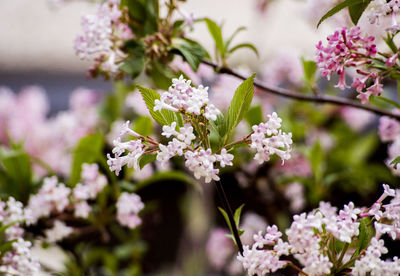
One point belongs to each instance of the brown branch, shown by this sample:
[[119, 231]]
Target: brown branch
[[324, 99]]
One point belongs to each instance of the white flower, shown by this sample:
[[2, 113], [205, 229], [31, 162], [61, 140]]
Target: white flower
[[59, 231], [128, 208], [278, 143]]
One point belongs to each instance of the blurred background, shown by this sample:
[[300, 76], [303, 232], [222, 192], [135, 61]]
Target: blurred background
[[37, 39], [184, 232]]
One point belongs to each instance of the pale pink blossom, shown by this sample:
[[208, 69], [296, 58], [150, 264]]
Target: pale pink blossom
[[128, 208], [59, 231]]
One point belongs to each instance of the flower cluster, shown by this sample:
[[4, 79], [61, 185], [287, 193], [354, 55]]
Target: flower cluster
[[181, 96], [310, 234], [91, 185], [23, 119], [56, 197], [276, 142], [18, 260], [59, 231], [128, 208], [389, 131], [348, 49], [190, 140], [52, 197], [103, 35]]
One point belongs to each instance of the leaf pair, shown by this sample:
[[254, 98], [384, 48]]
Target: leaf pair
[[222, 48], [236, 218]]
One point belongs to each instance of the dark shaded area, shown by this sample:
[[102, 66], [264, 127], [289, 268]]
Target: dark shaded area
[[57, 85]]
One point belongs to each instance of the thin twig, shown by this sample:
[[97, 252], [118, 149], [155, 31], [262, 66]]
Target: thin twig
[[228, 210], [325, 99]]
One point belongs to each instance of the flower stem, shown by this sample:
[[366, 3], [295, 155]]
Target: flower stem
[[339, 261], [301, 97], [297, 268], [228, 210]]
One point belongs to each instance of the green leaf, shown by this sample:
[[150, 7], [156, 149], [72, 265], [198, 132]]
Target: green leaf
[[163, 117], [88, 150], [365, 234], [390, 43], [254, 115], [3, 228], [237, 214], [316, 158], [220, 125], [134, 64], [389, 101], [6, 247], [17, 174], [216, 33], [143, 125], [395, 162], [355, 11], [240, 104], [161, 75], [244, 45], [171, 176], [238, 30], [146, 159], [192, 51], [309, 68], [339, 7], [143, 16], [226, 217]]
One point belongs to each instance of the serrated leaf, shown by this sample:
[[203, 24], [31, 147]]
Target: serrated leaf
[[146, 159], [220, 125], [337, 8], [237, 214], [143, 126], [163, 117], [254, 115], [161, 75], [240, 104], [88, 150], [191, 51], [216, 33], [357, 10], [244, 45]]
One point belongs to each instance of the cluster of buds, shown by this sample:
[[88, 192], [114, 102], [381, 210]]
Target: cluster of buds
[[104, 35], [191, 139], [16, 258], [312, 236]]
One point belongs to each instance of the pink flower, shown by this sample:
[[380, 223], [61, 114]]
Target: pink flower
[[128, 208]]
